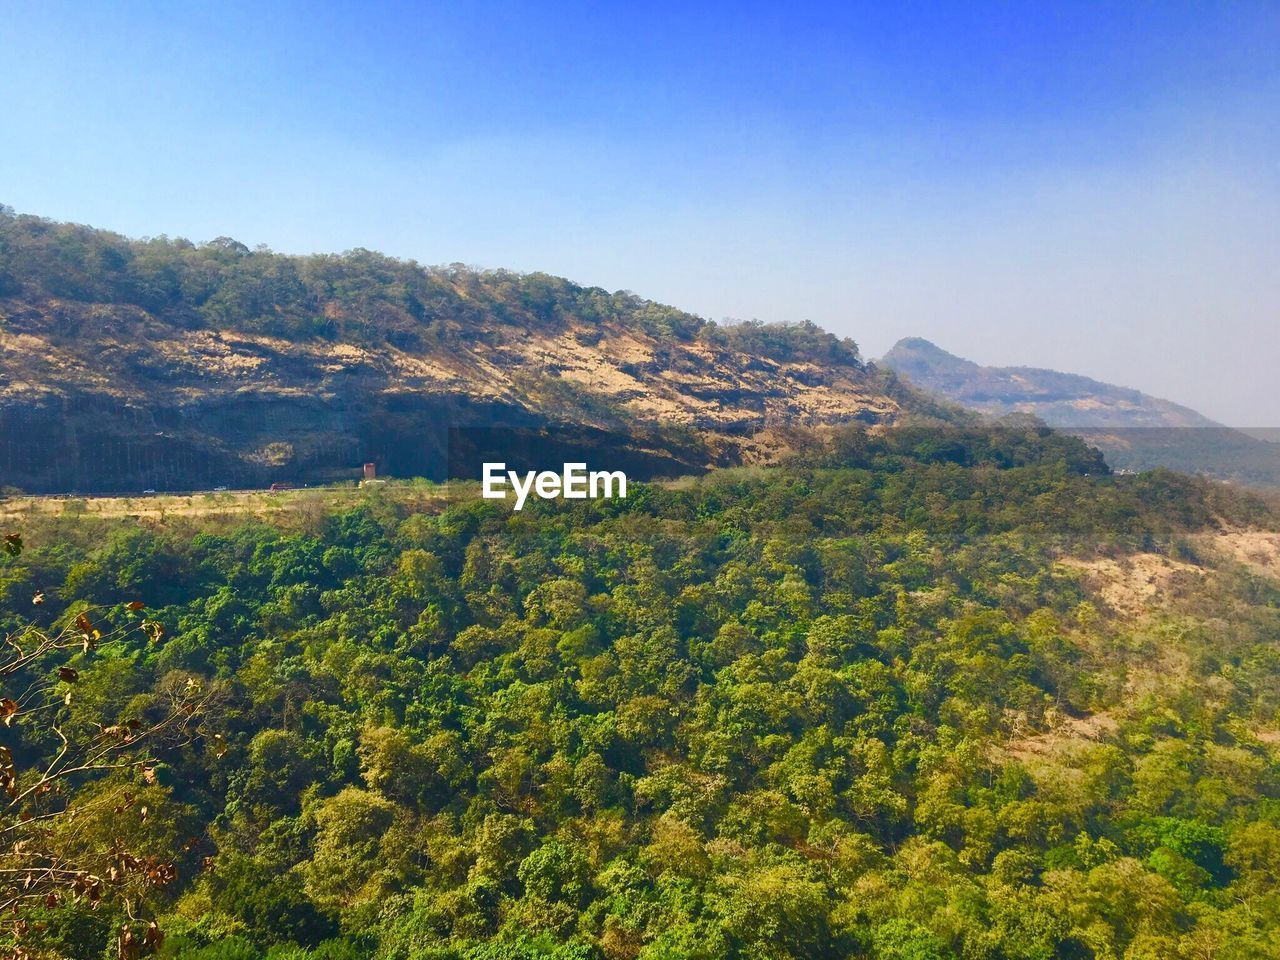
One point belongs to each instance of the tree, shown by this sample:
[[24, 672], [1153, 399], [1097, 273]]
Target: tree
[[54, 844]]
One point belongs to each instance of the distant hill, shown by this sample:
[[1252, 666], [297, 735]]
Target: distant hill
[[161, 363], [1135, 430], [1059, 399]]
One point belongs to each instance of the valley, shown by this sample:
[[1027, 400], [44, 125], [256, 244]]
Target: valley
[[851, 671]]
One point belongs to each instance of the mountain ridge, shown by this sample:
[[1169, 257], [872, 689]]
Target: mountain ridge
[[1135, 430], [1060, 399], [158, 363]]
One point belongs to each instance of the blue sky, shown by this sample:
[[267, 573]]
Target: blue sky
[[1084, 186]]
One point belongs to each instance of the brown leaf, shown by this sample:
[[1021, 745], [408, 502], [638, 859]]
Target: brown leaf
[[83, 623], [12, 544], [68, 674], [6, 759], [8, 709], [127, 944], [135, 605], [38, 598]]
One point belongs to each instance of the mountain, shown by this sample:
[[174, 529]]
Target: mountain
[[159, 363], [934, 691], [1135, 430], [1059, 399]]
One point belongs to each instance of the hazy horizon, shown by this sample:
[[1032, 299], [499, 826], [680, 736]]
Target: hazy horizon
[[1053, 186]]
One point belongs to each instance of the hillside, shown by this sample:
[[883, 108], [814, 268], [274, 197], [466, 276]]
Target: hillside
[[1059, 399], [923, 694], [1135, 430], [132, 364]]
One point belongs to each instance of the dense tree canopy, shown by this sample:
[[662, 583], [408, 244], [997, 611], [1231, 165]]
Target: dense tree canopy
[[849, 707], [359, 296]]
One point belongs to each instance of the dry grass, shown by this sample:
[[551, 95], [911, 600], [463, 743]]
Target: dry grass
[[1137, 584], [1063, 732], [1258, 550], [1149, 602], [233, 504]]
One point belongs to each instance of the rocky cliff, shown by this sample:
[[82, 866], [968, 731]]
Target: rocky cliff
[[127, 365]]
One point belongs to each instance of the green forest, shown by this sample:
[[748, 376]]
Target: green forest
[[359, 296], [852, 706]]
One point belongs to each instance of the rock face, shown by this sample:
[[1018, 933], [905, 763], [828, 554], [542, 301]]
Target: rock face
[[1135, 431], [113, 381]]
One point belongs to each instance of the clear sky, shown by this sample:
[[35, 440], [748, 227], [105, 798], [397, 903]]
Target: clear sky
[[1092, 187]]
